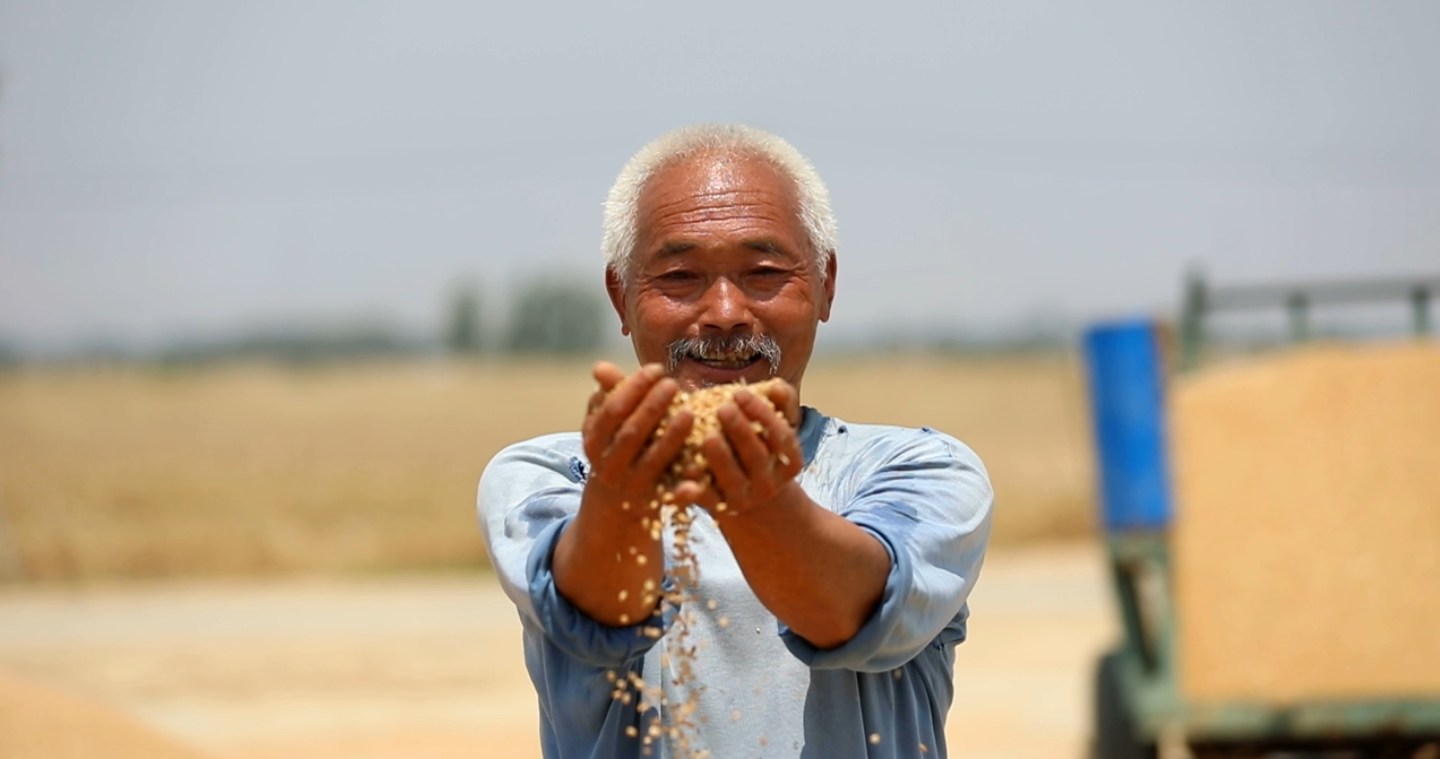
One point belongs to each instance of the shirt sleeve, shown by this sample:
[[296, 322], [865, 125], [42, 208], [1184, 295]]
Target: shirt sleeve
[[528, 495], [928, 501]]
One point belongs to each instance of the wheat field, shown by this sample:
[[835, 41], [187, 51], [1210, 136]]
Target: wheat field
[[246, 470]]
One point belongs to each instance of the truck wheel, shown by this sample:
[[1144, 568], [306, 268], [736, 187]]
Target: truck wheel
[[1115, 736]]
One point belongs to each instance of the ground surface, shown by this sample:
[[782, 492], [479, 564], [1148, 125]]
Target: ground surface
[[431, 667]]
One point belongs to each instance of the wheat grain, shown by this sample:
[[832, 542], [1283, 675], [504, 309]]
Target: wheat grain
[[704, 405]]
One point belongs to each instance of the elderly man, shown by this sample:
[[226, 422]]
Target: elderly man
[[834, 559]]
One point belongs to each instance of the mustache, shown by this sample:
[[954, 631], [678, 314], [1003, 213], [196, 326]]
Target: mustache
[[722, 348]]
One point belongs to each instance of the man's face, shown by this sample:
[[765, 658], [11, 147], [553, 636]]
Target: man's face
[[722, 258]]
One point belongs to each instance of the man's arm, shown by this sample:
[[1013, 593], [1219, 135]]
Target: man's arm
[[814, 570], [606, 563]]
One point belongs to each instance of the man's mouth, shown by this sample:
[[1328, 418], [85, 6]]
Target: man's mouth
[[731, 360], [726, 353]]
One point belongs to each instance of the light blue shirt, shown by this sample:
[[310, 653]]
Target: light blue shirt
[[764, 691]]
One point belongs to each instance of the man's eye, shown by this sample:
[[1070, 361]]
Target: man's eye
[[677, 275], [766, 271]]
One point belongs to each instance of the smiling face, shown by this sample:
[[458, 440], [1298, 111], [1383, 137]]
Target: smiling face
[[723, 264]]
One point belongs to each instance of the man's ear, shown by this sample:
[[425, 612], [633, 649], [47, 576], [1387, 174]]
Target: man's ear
[[616, 290], [829, 287]]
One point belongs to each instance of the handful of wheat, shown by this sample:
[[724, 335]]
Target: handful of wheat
[[703, 404]]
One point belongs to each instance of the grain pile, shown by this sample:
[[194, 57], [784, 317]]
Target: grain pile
[[672, 520], [1307, 534]]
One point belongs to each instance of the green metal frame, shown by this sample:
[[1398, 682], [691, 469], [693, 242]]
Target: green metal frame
[[1201, 300], [1140, 569]]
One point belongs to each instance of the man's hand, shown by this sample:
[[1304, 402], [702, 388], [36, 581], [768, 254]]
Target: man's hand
[[623, 414], [606, 562], [756, 456]]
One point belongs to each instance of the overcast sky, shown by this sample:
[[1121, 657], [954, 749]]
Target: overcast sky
[[183, 167]]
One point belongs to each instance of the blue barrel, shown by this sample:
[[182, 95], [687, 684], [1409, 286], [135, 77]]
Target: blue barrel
[[1127, 400]]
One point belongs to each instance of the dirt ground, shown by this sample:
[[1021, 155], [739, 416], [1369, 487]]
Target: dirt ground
[[431, 666]]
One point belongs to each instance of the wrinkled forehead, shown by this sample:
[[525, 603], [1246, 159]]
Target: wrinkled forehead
[[715, 177]]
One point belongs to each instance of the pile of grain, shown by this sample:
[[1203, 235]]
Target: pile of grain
[[1307, 535]]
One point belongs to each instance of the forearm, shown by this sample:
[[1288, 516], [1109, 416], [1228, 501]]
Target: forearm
[[608, 568], [816, 571], [608, 562]]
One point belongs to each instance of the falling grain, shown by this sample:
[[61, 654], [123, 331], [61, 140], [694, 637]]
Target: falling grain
[[673, 520]]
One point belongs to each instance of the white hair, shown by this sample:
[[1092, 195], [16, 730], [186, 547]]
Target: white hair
[[622, 205]]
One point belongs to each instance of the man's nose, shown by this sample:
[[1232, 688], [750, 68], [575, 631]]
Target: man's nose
[[725, 307]]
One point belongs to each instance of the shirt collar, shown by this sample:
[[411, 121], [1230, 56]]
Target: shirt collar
[[811, 432]]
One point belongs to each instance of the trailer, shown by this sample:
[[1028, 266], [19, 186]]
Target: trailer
[[1139, 709]]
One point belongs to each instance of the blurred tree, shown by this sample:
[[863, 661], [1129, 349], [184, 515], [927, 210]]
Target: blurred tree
[[293, 344], [555, 317], [9, 355], [463, 335]]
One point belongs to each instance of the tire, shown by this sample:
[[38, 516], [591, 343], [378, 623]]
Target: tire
[[1115, 736]]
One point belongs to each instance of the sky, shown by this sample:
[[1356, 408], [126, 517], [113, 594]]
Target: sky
[[174, 169]]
